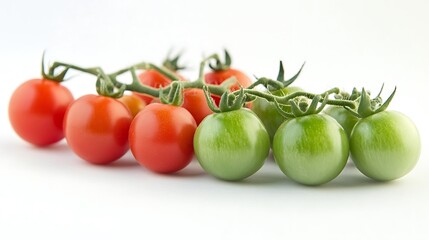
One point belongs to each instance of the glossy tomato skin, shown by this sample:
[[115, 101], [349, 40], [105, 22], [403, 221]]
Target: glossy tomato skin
[[36, 111], [346, 119], [155, 79], [161, 137], [267, 111], [219, 76], [312, 149], [96, 128], [134, 103], [385, 146], [231, 145], [195, 102]]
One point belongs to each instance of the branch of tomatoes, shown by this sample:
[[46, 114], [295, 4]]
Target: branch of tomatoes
[[321, 150]]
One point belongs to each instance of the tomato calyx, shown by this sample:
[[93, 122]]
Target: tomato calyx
[[174, 96], [302, 106], [105, 87], [172, 63], [279, 83], [228, 101], [50, 75], [353, 96], [368, 106], [281, 78], [221, 66]]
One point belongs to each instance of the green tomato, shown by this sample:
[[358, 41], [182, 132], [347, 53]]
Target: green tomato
[[312, 149], [231, 145], [345, 118], [385, 146], [268, 113]]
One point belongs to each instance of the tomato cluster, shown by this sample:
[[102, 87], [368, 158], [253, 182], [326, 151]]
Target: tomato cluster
[[165, 122]]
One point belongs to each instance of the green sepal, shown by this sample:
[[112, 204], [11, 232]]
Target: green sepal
[[281, 78], [295, 108], [300, 106], [281, 74], [105, 87], [174, 96], [230, 101], [172, 63], [281, 111], [209, 100], [50, 75], [222, 66], [368, 106], [384, 106]]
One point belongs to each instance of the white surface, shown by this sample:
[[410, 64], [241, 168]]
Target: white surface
[[51, 194]]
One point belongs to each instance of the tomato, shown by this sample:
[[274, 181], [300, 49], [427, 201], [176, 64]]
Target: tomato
[[195, 102], [385, 146], [231, 145], [153, 78], [161, 137], [96, 128], [219, 76], [346, 119], [311, 149], [36, 111], [268, 113], [133, 103]]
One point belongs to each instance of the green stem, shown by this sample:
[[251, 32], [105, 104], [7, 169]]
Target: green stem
[[111, 82], [203, 65], [93, 71]]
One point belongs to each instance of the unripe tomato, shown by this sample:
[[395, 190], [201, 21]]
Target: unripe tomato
[[231, 145], [385, 146], [312, 149]]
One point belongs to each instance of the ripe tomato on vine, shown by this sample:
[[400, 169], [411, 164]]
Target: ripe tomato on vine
[[36, 111]]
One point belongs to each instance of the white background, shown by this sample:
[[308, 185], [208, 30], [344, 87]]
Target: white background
[[52, 194]]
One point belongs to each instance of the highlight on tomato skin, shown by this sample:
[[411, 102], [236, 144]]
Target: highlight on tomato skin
[[36, 111], [96, 128], [161, 138]]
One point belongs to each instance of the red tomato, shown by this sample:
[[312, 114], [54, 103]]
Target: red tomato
[[133, 103], [36, 111], [195, 102], [161, 137], [218, 77], [96, 128], [153, 78]]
